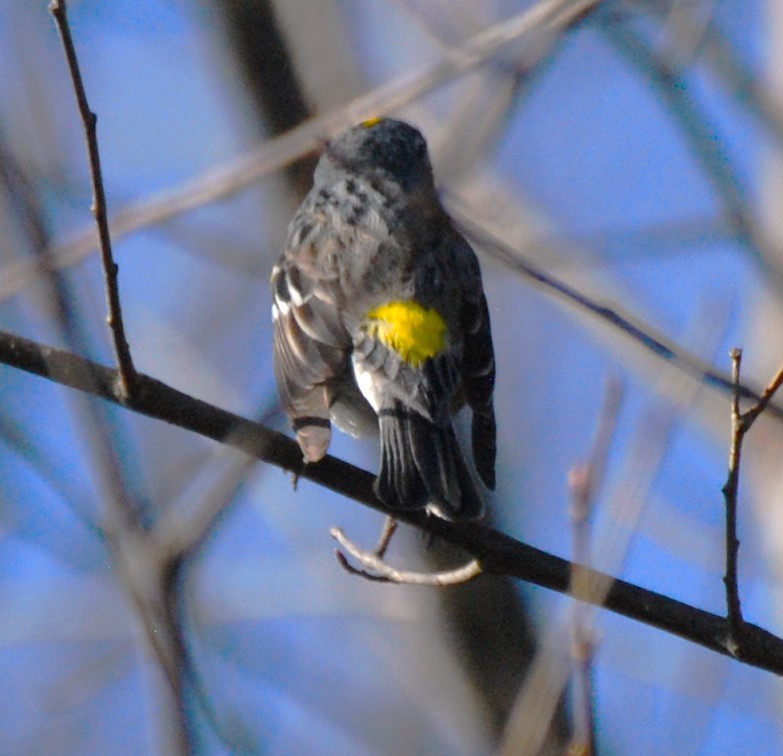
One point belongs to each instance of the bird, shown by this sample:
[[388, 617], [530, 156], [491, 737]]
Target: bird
[[381, 324]]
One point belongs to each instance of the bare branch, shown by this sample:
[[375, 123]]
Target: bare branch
[[584, 481], [730, 490], [586, 478], [750, 90], [695, 127], [389, 529], [550, 17], [749, 417], [741, 423], [59, 11], [375, 568], [177, 534], [680, 358], [498, 553], [375, 560]]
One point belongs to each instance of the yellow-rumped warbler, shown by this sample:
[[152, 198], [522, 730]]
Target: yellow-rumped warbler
[[379, 311]]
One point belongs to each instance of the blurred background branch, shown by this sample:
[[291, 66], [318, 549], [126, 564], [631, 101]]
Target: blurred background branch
[[623, 156]]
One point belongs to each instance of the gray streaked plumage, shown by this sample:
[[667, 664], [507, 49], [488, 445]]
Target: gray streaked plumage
[[372, 231]]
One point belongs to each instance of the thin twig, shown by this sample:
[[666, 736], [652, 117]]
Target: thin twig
[[590, 474], [730, 491], [767, 395], [374, 568], [643, 335], [584, 481], [187, 521], [110, 269], [550, 670], [582, 643], [741, 423], [389, 529]]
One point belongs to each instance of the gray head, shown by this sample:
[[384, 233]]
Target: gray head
[[381, 148]]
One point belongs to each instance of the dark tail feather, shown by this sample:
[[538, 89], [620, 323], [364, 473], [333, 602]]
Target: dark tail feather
[[398, 484], [485, 445], [422, 465], [453, 494]]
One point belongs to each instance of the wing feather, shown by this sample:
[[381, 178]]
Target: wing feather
[[311, 343]]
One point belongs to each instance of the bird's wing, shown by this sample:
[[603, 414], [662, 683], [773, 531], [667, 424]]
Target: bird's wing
[[478, 364], [311, 344]]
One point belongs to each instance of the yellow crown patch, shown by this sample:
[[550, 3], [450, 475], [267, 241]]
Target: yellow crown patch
[[413, 331], [370, 122]]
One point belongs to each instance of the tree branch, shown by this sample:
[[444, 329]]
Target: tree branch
[[584, 482], [551, 17], [643, 335], [375, 568], [126, 373], [730, 491], [741, 423], [704, 143], [497, 553]]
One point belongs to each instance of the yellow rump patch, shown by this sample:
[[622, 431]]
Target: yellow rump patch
[[413, 331]]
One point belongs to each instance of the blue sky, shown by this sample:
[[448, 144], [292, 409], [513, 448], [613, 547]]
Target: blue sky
[[293, 653]]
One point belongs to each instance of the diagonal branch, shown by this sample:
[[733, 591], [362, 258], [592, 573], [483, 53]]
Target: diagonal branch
[[705, 145], [643, 335], [496, 552], [546, 18]]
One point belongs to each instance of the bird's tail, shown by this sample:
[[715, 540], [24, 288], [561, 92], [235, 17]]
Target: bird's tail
[[422, 467]]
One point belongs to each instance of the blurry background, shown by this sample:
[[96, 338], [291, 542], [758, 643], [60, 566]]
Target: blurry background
[[636, 157]]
